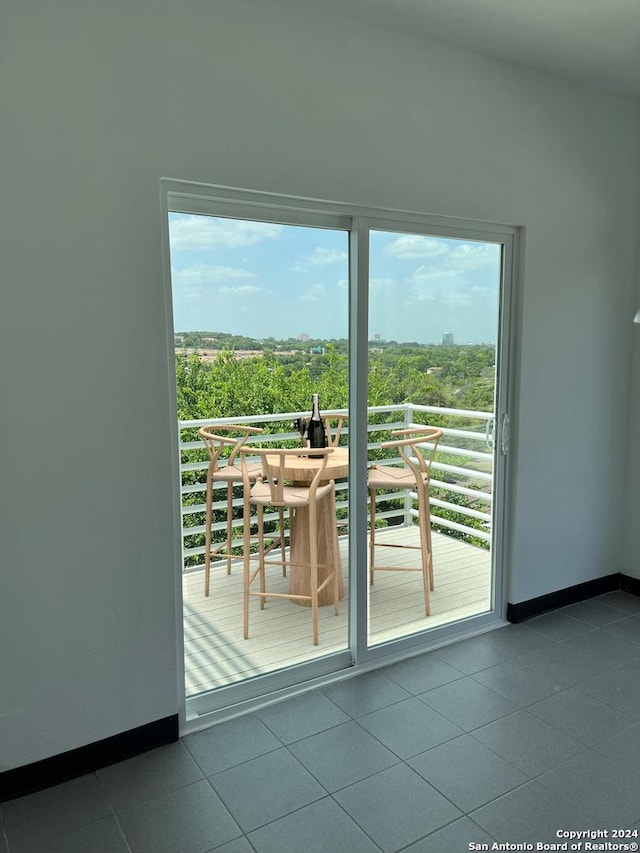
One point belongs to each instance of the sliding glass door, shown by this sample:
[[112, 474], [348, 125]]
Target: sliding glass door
[[433, 329], [398, 323], [260, 319]]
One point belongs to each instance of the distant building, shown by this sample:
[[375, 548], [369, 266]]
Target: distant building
[[447, 339], [303, 336]]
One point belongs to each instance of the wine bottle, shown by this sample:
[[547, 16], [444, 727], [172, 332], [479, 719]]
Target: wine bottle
[[315, 431]]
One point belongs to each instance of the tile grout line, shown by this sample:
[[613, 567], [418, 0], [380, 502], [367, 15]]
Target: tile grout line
[[328, 796], [114, 813]]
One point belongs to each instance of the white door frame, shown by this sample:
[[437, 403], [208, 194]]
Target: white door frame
[[213, 200]]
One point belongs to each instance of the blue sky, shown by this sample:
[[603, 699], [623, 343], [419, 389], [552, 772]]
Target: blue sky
[[267, 280]]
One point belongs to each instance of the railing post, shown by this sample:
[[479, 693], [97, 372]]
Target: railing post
[[408, 501]]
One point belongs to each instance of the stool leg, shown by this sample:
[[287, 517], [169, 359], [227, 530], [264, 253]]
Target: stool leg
[[229, 524], [282, 556], [246, 548], [429, 540], [372, 537], [261, 553], [313, 567], [423, 513], [337, 567], [207, 532]]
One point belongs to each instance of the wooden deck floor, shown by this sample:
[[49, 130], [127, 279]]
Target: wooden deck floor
[[216, 654]]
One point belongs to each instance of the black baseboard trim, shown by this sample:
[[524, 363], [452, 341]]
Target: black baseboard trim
[[629, 584], [571, 595], [85, 759]]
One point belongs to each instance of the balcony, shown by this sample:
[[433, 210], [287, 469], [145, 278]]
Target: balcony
[[216, 654]]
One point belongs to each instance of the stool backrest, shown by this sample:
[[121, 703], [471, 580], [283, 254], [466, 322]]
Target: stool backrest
[[333, 427], [217, 437], [280, 467], [411, 446]]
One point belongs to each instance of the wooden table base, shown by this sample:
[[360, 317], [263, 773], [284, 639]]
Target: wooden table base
[[299, 576]]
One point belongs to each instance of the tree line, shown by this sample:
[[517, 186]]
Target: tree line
[[461, 377]]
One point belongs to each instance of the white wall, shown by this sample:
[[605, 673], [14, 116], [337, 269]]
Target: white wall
[[98, 101], [631, 552]]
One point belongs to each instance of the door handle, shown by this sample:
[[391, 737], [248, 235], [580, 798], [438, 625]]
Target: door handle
[[505, 436]]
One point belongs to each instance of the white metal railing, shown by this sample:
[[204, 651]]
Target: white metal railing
[[463, 467]]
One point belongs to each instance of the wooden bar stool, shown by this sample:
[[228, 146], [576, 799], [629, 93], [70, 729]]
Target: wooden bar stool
[[274, 488], [414, 474], [218, 439]]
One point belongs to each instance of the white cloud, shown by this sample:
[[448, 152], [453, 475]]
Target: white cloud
[[473, 256], [240, 290], [448, 299], [320, 257], [412, 246], [208, 232], [382, 284], [450, 290], [443, 258], [453, 279], [206, 284], [426, 274], [204, 274], [316, 293]]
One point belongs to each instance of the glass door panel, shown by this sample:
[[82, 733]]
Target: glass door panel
[[434, 308], [260, 314]]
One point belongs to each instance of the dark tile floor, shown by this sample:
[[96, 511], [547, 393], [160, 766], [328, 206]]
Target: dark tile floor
[[511, 736]]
